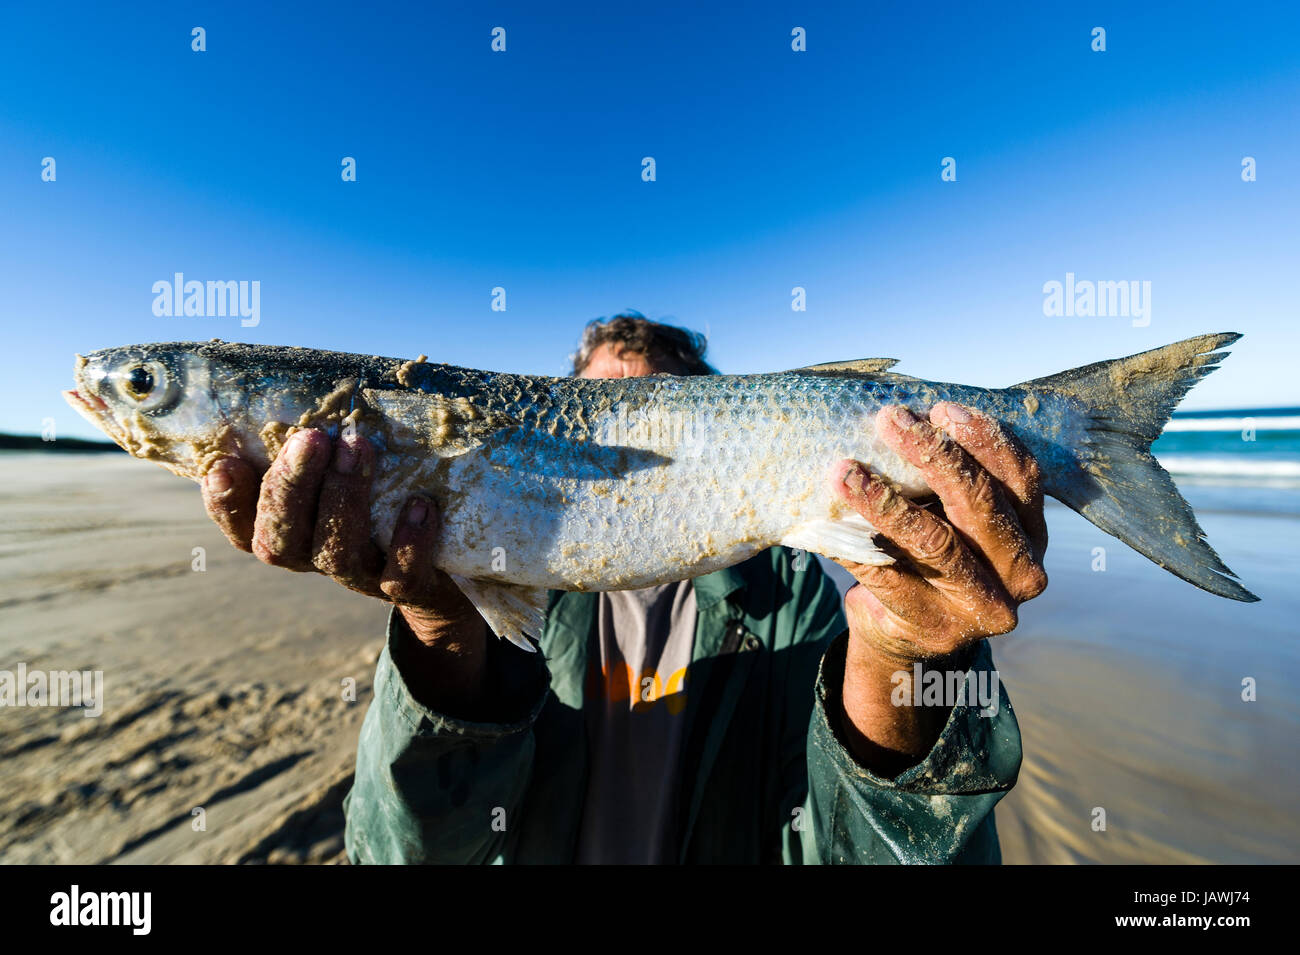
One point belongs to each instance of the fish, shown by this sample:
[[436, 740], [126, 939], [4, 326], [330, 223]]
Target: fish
[[551, 483]]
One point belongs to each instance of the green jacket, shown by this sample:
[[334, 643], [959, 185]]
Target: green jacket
[[765, 777]]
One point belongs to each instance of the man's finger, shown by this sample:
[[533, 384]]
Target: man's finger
[[973, 501], [341, 546], [936, 549], [1005, 458], [895, 587], [286, 509], [923, 629], [931, 543], [410, 577], [230, 497]]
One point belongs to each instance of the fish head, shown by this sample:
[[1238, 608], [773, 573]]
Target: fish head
[[185, 405], [158, 402]]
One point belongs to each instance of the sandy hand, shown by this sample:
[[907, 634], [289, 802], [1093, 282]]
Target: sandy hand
[[311, 512], [963, 574], [959, 578]]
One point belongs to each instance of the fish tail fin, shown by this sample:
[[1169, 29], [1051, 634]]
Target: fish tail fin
[[1119, 486]]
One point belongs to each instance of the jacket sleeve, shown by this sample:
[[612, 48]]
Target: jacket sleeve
[[815, 617], [431, 788], [938, 811]]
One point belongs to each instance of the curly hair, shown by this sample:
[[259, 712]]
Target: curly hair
[[632, 331]]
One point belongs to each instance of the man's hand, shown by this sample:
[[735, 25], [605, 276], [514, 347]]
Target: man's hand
[[960, 576], [311, 512]]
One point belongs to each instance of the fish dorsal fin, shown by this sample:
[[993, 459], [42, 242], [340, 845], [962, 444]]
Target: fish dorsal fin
[[863, 366]]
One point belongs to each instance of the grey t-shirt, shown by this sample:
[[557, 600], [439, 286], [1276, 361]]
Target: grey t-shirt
[[635, 713]]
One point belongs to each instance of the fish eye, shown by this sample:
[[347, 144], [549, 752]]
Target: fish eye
[[146, 385], [138, 382]]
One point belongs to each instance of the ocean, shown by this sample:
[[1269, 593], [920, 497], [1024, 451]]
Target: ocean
[[1243, 460]]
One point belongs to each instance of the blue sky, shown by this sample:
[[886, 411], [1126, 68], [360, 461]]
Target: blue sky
[[775, 169]]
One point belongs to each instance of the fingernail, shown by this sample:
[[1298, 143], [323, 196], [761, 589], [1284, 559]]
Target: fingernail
[[955, 412], [904, 418], [218, 480], [855, 477], [416, 513], [345, 455], [301, 450]]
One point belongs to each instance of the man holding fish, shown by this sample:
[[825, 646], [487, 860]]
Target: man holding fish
[[742, 716]]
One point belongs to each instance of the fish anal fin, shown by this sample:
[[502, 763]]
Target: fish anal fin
[[850, 537], [511, 610]]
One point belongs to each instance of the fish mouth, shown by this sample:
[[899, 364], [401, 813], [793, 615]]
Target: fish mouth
[[83, 398], [92, 407], [91, 403]]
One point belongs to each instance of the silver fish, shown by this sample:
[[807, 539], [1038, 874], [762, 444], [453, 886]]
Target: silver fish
[[577, 484]]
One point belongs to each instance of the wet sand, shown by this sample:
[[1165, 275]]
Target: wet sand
[[1128, 687], [224, 689]]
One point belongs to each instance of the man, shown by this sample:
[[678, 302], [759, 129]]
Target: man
[[739, 716]]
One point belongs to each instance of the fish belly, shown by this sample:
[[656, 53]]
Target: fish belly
[[686, 491]]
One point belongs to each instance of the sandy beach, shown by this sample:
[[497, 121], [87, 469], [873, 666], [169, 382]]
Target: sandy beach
[[223, 688], [1128, 688], [226, 689]]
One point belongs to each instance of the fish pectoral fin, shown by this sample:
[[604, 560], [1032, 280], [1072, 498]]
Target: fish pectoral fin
[[446, 426], [862, 366], [511, 610], [850, 537]]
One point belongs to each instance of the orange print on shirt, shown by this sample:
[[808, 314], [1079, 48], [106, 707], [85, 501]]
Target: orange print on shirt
[[644, 690]]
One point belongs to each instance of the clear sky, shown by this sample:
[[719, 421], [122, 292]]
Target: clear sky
[[774, 169]]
